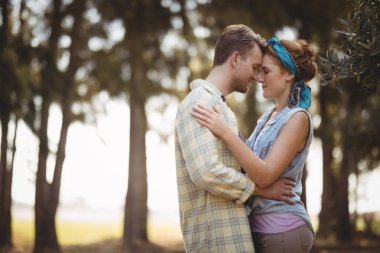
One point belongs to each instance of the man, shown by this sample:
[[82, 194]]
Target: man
[[211, 188]]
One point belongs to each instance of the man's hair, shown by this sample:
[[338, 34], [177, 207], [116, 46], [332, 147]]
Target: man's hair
[[238, 38]]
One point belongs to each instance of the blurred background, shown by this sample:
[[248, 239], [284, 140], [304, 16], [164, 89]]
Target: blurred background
[[89, 92]]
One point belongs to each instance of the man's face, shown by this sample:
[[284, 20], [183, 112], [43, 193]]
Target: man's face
[[247, 69]]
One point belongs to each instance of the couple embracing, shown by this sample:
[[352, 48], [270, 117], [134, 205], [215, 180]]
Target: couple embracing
[[242, 196]]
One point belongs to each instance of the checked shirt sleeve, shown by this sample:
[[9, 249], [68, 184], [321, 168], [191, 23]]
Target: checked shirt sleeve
[[201, 154]]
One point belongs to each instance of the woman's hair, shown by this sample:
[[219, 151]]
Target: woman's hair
[[303, 54], [238, 38]]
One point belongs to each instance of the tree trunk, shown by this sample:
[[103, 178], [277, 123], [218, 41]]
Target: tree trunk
[[7, 83], [5, 187], [136, 210], [303, 195], [348, 164], [67, 101], [344, 226], [47, 227], [327, 220], [4, 4], [45, 232], [46, 240], [46, 207]]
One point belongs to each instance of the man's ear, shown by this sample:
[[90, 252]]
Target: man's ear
[[235, 58]]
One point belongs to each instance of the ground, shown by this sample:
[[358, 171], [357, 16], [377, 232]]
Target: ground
[[109, 246], [114, 246]]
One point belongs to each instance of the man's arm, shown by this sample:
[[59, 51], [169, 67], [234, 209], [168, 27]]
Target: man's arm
[[200, 151]]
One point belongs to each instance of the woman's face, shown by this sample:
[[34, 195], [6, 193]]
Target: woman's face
[[274, 78]]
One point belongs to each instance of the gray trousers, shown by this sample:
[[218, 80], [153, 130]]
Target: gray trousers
[[298, 240]]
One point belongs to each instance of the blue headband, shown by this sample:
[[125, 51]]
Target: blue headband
[[301, 93]]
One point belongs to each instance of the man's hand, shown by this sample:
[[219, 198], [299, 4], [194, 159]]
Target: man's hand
[[281, 190]]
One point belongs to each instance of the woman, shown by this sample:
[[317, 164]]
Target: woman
[[280, 145]]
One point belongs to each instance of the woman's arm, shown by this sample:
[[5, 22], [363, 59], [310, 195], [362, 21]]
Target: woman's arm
[[263, 172]]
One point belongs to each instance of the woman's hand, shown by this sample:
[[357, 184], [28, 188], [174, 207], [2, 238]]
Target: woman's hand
[[211, 118], [281, 190]]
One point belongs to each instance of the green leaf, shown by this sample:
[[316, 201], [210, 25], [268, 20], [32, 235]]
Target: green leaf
[[345, 73], [376, 52], [363, 70], [323, 59], [339, 88], [343, 21], [365, 45], [346, 33]]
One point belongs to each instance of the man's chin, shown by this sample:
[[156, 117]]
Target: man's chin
[[242, 89], [249, 86]]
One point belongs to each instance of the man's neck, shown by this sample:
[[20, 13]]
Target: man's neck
[[220, 78]]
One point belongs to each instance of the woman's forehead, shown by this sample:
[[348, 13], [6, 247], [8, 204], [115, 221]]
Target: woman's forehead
[[269, 60]]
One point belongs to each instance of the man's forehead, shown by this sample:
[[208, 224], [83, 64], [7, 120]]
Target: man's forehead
[[257, 61], [256, 55]]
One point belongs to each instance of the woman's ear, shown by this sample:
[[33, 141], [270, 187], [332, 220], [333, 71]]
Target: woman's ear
[[289, 77]]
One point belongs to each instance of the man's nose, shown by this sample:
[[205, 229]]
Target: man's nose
[[255, 76], [260, 77]]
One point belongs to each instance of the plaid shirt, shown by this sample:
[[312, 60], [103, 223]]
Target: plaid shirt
[[211, 188]]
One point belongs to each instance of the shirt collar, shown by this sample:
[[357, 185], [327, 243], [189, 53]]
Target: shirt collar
[[208, 86]]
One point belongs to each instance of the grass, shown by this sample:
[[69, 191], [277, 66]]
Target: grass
[[82, 233], [101, 237], [23, 231], [69, 233], [164, 234]]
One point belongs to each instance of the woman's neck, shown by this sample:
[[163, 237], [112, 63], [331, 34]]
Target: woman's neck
[[280, 105], [283, 100]]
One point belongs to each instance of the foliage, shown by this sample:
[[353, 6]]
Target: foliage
[[355, 68], [359, 55], [350, 119]]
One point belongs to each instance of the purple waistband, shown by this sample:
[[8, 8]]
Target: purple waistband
[[275, 222]]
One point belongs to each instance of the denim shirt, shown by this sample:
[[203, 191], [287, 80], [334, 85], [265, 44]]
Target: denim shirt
[[261, 142]]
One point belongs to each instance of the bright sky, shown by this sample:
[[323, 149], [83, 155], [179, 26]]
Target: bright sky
[[96, 165]]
